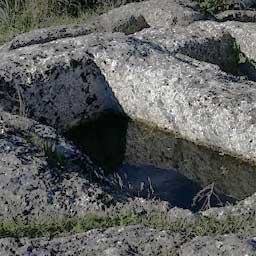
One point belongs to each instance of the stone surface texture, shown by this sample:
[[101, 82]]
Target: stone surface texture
[[184, 95], [119, 241], [34, 184], [228, 245], [243, 209], [157, 62], [128, 19], [236, 15]]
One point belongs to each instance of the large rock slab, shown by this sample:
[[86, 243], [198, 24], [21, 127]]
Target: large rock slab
[[183, 95], [70, 87], [244, 34], [44, 177], [162, 12], [212, 45], [142, 77], [118, 241], [149, 145], [109, 22]]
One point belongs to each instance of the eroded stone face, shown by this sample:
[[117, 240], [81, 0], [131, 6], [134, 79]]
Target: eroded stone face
[[174, 78], [119, 241], [229, 245], [144, 79], [55, 86], [180, 94], [115, 21], [163, 13], [148, 145], [244, 34], [40, 174], [127, 19]]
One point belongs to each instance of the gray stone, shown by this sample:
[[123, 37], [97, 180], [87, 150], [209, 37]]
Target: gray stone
[[197, 41], [42, 175], [128, 19], [244, 34], [232, 4], [241, 4], [236, 15], [162, 12], [109, 22], [149, 145], [242, 209], [228, 245], [71, 87], [192, 98], [115, 21], [150, 207], [117, 241], [45, 35], [186, 96]]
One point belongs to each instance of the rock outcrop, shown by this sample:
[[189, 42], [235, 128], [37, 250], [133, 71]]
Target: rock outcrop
[[127, 19], [45, 84], [229, 245], [42, 175], [179, 74], [131, 240], [142, 75], [191, 80], [236, 15]]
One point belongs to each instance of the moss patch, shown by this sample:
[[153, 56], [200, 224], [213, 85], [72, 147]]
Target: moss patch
[[213, 6], [202, 226]]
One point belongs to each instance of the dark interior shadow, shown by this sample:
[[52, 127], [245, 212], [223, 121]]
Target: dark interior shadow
[[248, 69], [103, 139], [167, 185]]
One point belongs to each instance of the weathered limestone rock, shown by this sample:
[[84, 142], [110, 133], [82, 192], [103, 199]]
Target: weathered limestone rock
[[128, 19], [162, 12], [141, 206], [236, 15], [119, 22], [242, 209], [148, 80], [149, 145], [241, 4], [183, 95], [228, 245], [57, 86], [118, 241], [43, 177], [40, 174], [209, 45], [244, 34], [45, 35], [116, 22]]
